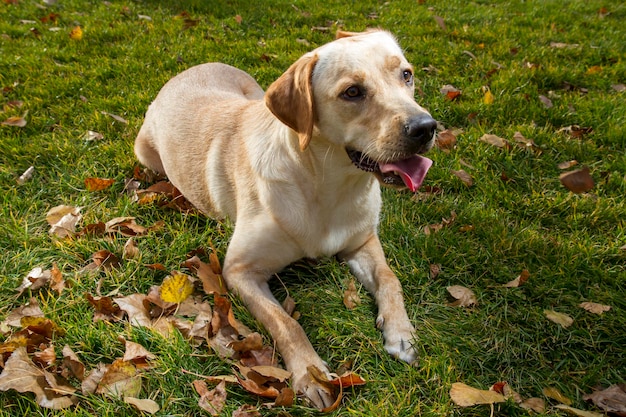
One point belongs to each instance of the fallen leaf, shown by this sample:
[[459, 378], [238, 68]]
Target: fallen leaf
[[610, 400], [90, 136], [211, 400], [555, 394], [524, 142], [464, 296], [619, 87], [494, 140], [106, 260], [119, 380], [246, 410], [176, 288], [547, 103], [57, 283], [576, 131], [98, 184], [34, 280], [72, 364], [567, 164], [16, 121], [91, 381], [351, 297], [465, 396], [450, 91], [348, 379], [285, 398], [143, 404], [578, 181], [22, 375], [32, 309], [137, 354], [115, 117], [131, 250], [45, 358], [435, 270], [212, 282], [594, 308], [253, 341], [104, 308], [440, 22], [538, 405], [577, 412], [488, 98], [26, 176], [238, 19], [63, 220], [594, 69], [446, 140], [464, 177], [135, 309], [520, 280], [559, 318], [76, 33]]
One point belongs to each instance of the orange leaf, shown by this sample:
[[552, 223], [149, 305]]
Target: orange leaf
[[348, 379], [98, 184]]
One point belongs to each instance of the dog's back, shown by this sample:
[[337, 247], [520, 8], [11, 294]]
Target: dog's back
[[181, 116]]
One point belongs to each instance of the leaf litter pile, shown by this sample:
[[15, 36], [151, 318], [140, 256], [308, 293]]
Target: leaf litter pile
[[194, 303]]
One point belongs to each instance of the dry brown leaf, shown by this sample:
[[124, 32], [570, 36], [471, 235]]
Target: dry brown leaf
[[567, 164], [137, 354], [15, 121], [555, 394], [253, 341], [22, 375], [351, 298], [446, 140], [289, 305], [105, 260], [104, 308], [115, 117], [212, 282], [211, 400], [435, 270], [45, 358], [143, 404], [465, 396], [450, 91], [57, 283], [611, 399], [131, 250], [464, 296], [347, 379], [63, 220], [91, 381], [464, 177], [538, 405], [494, 140], [34, 280], [32, 309], [577, 412], [520, 280], [578, 181], [559, 318], [246, 410], [594, 308], [440, 22], [120, 380], [72, 365], [285, 398], [576, 131], [134, 307]]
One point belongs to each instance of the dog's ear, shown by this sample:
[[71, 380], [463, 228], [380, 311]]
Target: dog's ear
[[290, 98], [345, 34]]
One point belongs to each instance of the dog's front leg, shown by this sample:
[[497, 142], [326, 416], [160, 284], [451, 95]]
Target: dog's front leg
[[248, 278], [369, 265]]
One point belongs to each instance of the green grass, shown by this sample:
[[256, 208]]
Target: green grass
[[571, 244]]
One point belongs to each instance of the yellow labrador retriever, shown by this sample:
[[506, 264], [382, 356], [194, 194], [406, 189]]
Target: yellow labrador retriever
[[296, 168]]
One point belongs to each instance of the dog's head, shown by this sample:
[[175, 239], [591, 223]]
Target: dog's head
[[357, 92]]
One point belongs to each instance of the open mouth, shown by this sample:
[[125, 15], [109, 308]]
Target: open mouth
[[409, 172]]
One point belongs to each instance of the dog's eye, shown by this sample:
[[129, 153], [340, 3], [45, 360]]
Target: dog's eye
[[353, 93], [407, 75]]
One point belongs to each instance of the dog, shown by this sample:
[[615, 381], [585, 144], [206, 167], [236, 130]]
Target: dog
[[298, 169]]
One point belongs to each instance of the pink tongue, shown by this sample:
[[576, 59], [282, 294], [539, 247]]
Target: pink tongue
[[412, 170]]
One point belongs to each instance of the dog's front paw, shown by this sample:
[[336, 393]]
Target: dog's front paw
[[314, 391], [399, 340]]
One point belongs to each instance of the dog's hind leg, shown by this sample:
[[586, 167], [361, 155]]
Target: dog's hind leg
[[146, 152]]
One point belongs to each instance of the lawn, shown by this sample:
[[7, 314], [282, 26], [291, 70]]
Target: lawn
[[546, 79]]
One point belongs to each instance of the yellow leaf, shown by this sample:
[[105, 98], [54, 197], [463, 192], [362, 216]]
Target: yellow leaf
[[596, 69], [488, 98], [559, 318], [76, 33], [465, 396], [176, 288]]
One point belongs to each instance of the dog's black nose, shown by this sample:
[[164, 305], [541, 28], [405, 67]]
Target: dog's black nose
[[420, 128]]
